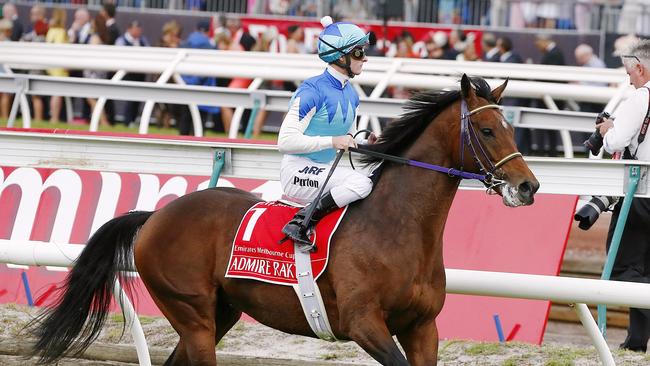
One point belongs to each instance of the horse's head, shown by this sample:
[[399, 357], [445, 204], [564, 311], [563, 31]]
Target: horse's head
[[488, 146]]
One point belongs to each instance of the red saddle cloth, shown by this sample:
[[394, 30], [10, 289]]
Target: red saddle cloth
[[257, 255]]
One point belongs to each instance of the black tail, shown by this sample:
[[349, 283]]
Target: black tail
[[74, 322]]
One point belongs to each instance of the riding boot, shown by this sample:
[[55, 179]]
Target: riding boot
[[298, 230]]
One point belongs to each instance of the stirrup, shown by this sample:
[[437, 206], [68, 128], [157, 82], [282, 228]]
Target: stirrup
[[304, 246]]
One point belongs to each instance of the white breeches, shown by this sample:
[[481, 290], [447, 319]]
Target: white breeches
[[302, 178]]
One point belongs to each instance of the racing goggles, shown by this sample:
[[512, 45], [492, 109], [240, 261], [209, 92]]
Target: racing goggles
[[358, 53]]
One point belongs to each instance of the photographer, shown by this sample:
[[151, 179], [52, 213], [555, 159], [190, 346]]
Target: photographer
[[626, 135]]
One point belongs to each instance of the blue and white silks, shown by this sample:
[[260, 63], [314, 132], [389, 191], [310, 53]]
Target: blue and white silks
[[322, 107]]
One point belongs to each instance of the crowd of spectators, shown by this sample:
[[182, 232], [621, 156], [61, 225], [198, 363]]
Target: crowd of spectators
[[228, 34], [626, 16]]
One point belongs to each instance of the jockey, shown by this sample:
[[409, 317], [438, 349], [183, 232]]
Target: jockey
[[321, 120]]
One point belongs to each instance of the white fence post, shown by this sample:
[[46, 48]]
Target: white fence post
[[149, 104], [99, 106], [132, 321]]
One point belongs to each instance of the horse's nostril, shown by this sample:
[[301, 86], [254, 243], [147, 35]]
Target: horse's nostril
[[528, 187]]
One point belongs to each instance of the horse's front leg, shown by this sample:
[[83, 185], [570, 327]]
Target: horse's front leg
[[368, 329], [421, 343]]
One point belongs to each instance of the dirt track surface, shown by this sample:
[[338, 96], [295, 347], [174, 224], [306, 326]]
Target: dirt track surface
[[564, 344]]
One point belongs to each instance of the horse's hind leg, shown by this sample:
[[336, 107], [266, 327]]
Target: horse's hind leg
[[194, 320], [227, 316], [192, 315], [178, 356], [421, 343], [368, 329]]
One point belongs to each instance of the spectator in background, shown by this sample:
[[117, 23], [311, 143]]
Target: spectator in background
[[490, 49], [199, 39], [96, 74], [469, 53], [38, 26], [457, 40], [5, 99], [405, 47], [223, 40], [171, 35], [79, 33], [112, 31], [241, 41], [432, 48], [106, 28], [5, 30], [295, 39], [263, 44], [81, 28], [442, 40], [168, 114], [37, 33], [132, 38], [10, 13], [465, 45], [56, 34], [233, 25], [507, 55], [585, 57], [551, 55]]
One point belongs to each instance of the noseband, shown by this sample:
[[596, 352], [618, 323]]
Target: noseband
[[469, 137]]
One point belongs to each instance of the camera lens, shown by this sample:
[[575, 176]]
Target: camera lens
[[589, 213]]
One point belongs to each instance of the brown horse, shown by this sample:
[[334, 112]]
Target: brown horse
[[385, 276]]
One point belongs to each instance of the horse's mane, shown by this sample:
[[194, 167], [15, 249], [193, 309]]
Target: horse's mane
[[419, 111]]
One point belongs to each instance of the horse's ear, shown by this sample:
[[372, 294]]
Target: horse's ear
[[498, 91], [466, 87]]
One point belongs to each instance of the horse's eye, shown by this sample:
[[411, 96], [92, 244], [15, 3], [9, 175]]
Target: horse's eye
[[487, 132]]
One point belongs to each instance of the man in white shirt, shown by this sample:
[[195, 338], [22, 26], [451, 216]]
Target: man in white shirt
[[626, 134]]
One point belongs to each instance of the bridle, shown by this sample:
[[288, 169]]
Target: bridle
[[469, 137]]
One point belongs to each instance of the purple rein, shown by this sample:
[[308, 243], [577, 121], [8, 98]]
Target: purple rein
[[467, 137], [396, 159]]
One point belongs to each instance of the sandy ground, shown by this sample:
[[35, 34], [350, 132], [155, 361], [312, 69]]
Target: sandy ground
[[564, 344]]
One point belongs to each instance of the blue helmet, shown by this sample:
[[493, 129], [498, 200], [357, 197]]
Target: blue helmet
[[338, 39]]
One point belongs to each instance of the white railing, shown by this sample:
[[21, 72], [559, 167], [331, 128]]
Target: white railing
[[576, 291], [379, 72], [562, 121], [262, 161]]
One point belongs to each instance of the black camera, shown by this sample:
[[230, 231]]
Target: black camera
[[589, 213], [595, 141]]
